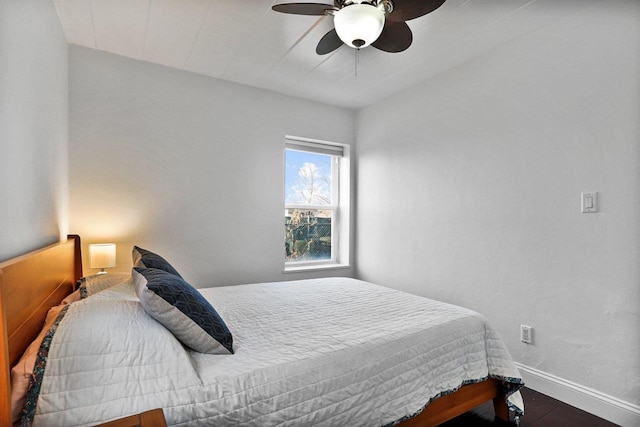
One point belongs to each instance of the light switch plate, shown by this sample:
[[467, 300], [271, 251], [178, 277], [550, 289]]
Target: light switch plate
[[589, 202]]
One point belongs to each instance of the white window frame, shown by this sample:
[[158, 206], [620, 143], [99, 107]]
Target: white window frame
[[340, 197]]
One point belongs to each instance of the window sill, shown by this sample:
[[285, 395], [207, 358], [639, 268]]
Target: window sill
[[317, 267]]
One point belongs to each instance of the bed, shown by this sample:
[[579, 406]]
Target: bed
[[311, 371]]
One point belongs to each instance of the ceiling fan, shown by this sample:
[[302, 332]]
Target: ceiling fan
[[360, 23]]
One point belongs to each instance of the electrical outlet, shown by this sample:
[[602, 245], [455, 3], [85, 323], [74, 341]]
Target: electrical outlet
[[526, 334]]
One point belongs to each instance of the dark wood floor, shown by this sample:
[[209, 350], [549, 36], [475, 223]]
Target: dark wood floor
[[540, 411]]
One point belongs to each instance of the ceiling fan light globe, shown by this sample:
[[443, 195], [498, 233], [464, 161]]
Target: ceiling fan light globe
[[359, 25]]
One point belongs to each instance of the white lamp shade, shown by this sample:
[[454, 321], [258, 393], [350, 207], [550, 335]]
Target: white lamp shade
[[102, 255], [359, 25]]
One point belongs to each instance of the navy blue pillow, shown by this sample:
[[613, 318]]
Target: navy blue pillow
[[148, 259], [182, 310]]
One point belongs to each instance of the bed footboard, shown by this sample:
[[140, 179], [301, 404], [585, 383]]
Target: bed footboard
[[466, 398]]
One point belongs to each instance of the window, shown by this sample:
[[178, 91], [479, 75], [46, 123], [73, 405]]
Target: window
[[315, 210]]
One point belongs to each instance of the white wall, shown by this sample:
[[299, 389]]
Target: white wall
[[33, 127], [185, 165], [469, 192]]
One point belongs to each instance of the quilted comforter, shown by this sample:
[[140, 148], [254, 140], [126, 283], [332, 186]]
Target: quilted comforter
[[328, 352]]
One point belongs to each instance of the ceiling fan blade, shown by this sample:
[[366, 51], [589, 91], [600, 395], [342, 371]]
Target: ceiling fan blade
[[328, 43], [404, 10], [395, 37], [314, 9]]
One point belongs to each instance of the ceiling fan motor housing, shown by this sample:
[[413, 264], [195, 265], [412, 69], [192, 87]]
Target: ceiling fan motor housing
[[386, 6]]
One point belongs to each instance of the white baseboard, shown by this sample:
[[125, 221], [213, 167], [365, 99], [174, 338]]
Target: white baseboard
[[602, 405]]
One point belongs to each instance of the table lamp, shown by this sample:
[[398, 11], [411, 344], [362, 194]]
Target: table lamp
[[102, 255]]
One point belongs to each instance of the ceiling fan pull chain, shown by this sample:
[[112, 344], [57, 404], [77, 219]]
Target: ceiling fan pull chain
[[357, 61]]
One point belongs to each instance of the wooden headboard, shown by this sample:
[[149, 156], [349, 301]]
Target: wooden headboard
[[29, 286]]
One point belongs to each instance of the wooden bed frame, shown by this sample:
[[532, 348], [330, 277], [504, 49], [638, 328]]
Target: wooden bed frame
[[33, 283]]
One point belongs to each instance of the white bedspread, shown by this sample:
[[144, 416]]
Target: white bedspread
[[330, 352]]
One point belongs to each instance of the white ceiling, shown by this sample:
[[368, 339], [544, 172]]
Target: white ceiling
[[244, 41]]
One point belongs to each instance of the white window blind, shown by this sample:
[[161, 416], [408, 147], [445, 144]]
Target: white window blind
[[314, 147]]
